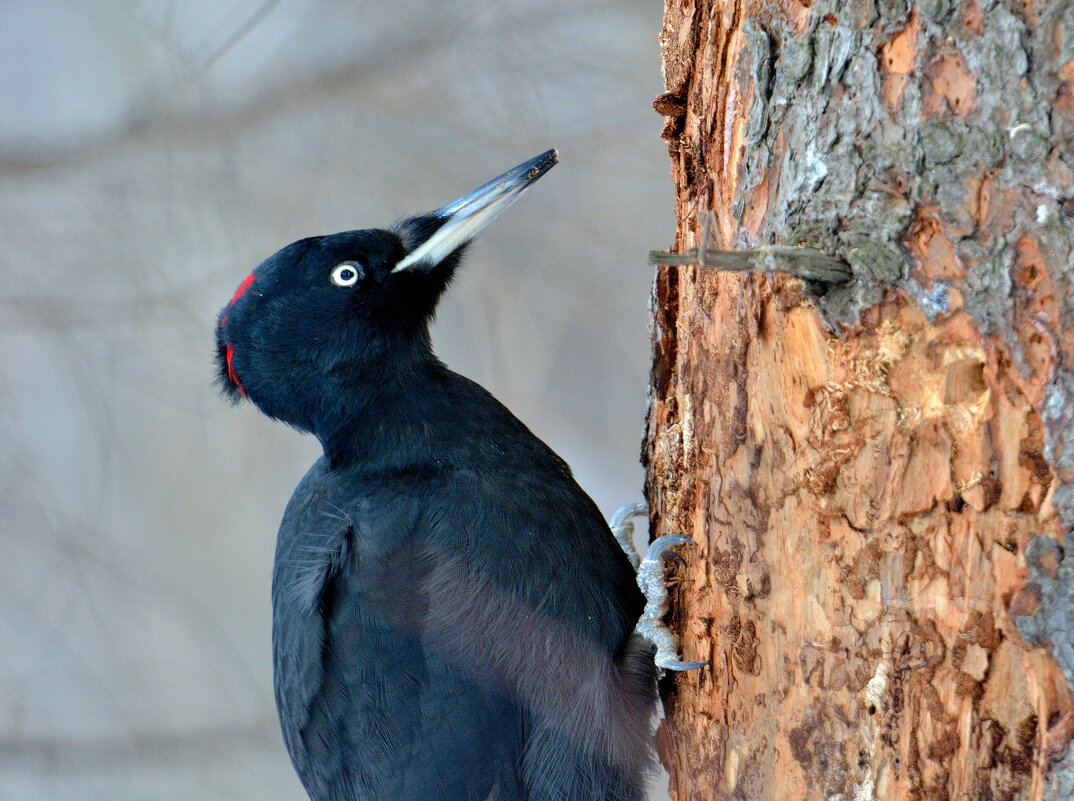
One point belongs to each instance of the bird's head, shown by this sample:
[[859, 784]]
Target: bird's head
[[328, 312]]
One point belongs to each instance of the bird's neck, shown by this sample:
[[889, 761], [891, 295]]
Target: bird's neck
[[381, 418]]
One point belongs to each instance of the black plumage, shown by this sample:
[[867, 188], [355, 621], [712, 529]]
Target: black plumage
[[452, 618]]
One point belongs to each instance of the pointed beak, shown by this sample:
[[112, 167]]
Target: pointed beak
[[472, 212]]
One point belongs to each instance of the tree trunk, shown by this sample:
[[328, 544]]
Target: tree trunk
[[879, 477]]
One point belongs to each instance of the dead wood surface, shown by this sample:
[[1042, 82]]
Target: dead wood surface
[[878, 483]]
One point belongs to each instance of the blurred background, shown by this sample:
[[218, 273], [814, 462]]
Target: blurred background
[[153, 152]]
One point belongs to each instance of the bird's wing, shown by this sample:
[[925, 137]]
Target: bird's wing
[[527, 584], [371, 707]]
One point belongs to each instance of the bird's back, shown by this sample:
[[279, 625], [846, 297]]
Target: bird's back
[[452, 617]]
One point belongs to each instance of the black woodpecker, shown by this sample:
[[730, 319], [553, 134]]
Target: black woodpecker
[[452, 617]]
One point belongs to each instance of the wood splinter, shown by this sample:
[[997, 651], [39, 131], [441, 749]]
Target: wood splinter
[[804, 263]]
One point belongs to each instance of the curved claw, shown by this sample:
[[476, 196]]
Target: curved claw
[[622, 526], [658, 548], [679, 665], [624, 513]]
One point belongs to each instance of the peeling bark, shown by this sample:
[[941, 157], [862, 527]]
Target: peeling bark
[[880, 481]]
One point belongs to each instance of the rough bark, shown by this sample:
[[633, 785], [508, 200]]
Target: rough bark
[[880, 481]]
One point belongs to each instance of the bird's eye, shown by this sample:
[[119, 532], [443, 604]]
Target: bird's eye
[[346, 274]]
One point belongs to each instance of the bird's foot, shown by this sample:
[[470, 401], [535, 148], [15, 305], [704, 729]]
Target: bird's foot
[[653, 585]]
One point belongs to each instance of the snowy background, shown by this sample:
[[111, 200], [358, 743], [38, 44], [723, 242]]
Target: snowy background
[[151, 153]]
